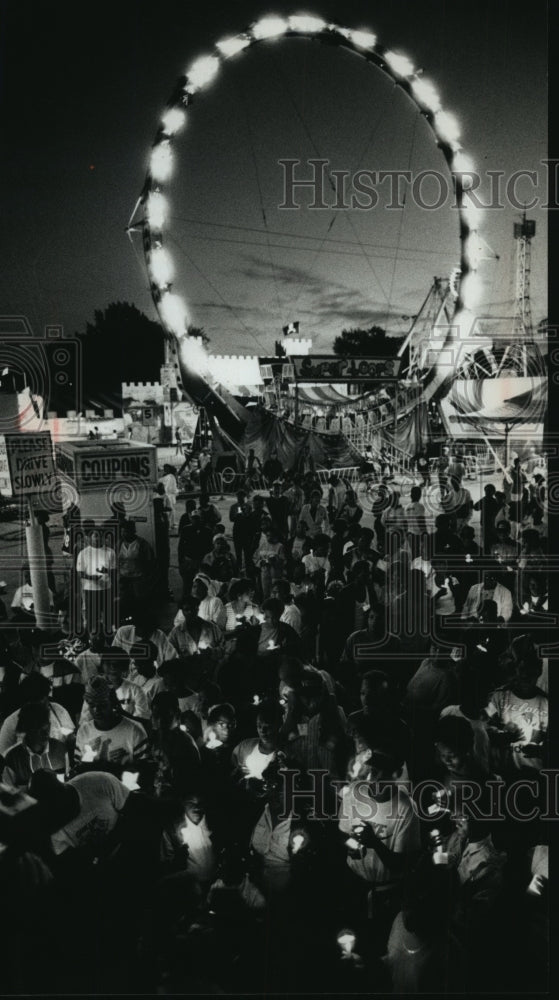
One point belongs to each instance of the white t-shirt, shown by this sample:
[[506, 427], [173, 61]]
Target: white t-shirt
[[88, 664], [252, 758], [23, 598], [102, 797], [416, 518], [201, 857], [125, 638], [61, 726], [127, 736], [530, 715], [292, 616], [170, 483], [211, 609], [272, 844], [149, 685], [393, 821], [92, 560], [132, 699], [313, 564]]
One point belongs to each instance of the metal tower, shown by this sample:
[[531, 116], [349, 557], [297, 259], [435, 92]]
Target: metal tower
[[523, 233], [516, 355]]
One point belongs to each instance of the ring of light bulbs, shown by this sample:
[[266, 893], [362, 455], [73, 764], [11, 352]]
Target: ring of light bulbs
[[171, 308]]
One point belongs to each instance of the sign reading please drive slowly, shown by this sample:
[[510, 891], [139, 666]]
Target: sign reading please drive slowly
[[31, 462]]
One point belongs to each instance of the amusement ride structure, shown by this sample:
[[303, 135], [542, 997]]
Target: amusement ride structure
[[449, 362]]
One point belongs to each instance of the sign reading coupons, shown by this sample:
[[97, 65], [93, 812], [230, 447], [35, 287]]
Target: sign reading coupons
[[31, 462], [329, 368]]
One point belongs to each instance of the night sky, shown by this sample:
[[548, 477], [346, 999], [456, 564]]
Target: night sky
[[82, 89]]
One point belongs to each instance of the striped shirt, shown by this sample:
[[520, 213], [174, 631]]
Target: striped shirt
[[127, 740]]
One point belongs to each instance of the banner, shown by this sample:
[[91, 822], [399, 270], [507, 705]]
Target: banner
[[329, 368]]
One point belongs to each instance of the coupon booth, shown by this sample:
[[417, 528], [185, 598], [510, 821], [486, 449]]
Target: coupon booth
[[101, 477]]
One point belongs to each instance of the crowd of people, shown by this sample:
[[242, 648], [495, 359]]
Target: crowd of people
[[328, 774]]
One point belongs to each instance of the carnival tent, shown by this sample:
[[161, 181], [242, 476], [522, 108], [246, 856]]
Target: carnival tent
[[295, 445]]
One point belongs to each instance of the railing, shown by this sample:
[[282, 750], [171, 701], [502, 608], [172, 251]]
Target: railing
[[351, 473]]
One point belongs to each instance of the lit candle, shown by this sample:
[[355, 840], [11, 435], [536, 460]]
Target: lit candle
[[346, 941], [212, 741], [88, 754], [130, 780], [297, 842]]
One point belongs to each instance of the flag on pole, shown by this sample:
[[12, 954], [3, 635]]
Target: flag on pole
[[291, 328]]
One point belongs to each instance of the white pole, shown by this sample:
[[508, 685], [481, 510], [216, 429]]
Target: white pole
[[38, 570], [497, 459]]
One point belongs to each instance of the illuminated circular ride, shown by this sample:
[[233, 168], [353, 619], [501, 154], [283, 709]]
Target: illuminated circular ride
[[190, 358]]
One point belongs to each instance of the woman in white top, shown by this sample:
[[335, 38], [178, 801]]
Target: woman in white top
[[240, 607], [252, 756]]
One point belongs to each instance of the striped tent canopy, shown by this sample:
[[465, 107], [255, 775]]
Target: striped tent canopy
[[323, 395]]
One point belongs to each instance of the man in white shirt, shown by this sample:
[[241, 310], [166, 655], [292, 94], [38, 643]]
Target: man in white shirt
[[291, 614], [141, 632], [379, 822], [108, 736], [88, 805], [96, 565], [130, 696], [489, 590], [35, 687], [521, 710]]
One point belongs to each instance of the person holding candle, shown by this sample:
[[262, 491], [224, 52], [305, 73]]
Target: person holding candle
[[220, 563], [518, 719], [109, 736], [382, 835], [143, 631], [241, 607], [273, 634], [131, 698], [217, 766], [36, 751], [35, 687], [278, 841], [252, 756], [143, 670], [196, 836], [192, 633]]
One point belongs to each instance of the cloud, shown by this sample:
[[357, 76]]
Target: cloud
[[323, 298]]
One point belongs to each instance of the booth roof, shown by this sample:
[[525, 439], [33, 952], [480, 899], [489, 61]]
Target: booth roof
[[323, 395]]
